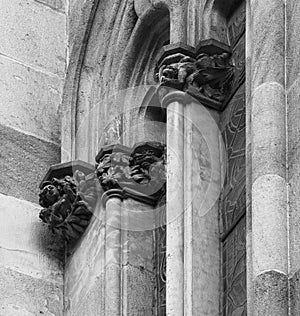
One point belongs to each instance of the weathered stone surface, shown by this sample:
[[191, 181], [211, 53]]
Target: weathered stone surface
[[26, 246], [269, 224], [30, 40], [91, 303], [293, 41], [271, 292], [31, 270], [26, 295], [24, 160], [59, 5], [267, 40], [295, 293], [30, 100], [268, 130], [293, 99], [138, 291]]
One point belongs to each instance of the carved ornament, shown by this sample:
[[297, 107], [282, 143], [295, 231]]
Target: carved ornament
[[68, 195], [139, 171], [205, 72]]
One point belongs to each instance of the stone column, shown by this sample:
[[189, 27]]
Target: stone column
[[266, 161], [112, 200], [193, 187], [174, 103]]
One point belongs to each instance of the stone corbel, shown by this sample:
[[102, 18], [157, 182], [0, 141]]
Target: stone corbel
[[137, 172], [68, 195], [204, 72]]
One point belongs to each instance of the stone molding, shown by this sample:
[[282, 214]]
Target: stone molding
[[205, 72], [68, 195]]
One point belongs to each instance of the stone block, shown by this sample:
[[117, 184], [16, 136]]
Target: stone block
[[30, 100], [268, 37], [24, 160], [37, 35], [26, 245], [269, 224], [23, 295], [268, 130]]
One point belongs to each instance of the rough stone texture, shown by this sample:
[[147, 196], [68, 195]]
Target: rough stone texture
[[24, 161], [91, 303], [293, 117], [267, 41], [30, 40], [271, 292], [293, 99], [30, 100], [268, 130], [31, 270], [269, 224], [293, 41], [294, 282], [138, 292], [24, 294]]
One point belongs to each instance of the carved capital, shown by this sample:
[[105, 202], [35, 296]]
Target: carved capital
[[139, 172], [68, 195], [204, 72]]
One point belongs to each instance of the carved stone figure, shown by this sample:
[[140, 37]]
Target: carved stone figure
[[141, 171], [208, 76], [68, 203], [175, 74]]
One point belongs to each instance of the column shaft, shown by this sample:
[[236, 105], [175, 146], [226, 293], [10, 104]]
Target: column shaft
[[269, 245]]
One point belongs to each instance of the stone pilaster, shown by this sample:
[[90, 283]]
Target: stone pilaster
[[266, 161]]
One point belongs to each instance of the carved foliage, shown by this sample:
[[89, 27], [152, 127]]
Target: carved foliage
[[68, 203], [141, 169], [208, 76]]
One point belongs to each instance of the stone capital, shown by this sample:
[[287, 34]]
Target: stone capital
[[137, 172], [205, 72]]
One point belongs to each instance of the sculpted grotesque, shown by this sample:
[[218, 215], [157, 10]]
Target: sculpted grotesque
[[68, 203], [208, 75]]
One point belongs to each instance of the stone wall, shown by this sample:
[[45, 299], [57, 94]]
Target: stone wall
[[31, 269], [33, 59], [33, 62]]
